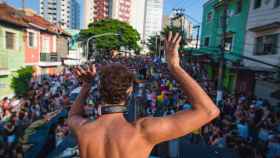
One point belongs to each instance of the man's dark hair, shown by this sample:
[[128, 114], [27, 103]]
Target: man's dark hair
[[115, 79]]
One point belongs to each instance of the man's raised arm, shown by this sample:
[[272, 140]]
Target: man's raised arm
[[203, 110], [75, 116]]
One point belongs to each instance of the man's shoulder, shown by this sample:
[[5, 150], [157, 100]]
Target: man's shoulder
[[144, 122]]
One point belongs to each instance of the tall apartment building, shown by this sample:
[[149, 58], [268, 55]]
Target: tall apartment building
[[137, 18], [101, 9], [88, 12], [153, 17], [62, 12], [116, 9], [143, 15]]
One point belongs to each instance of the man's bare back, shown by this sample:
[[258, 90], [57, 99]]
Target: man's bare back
[[111, 136]]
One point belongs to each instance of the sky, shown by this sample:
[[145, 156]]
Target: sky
[[193, 8]]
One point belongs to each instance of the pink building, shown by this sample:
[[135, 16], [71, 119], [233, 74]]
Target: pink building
[[41, 44]]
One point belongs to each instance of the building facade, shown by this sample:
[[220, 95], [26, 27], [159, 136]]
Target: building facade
[[65, 13], [11, 46], [210, 42], [137, 19], [88, 13], [28, 40], [153, 18], [263, 33], [101, 9], [120, 9], [262, 43], [45, 44], [212, 29], [115, 9]]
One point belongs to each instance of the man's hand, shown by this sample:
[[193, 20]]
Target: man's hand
[[172, 44], [86, 75]]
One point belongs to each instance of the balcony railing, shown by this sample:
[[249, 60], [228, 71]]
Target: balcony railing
[[49, 57]]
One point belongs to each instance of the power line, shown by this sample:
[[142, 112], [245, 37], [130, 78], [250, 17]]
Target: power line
[[189, 16], [245, 57], [193, 19]]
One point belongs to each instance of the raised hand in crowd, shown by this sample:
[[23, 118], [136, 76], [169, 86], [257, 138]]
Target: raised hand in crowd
[[172, 44], [85, 74]]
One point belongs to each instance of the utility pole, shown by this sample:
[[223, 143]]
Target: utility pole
[[197, 34], [23, 4], [222, 55], [179, 14], [156, 44]]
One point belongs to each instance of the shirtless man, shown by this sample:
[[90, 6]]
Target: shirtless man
[[111, 136]]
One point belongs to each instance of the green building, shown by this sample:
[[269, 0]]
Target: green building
[[11, 49], [236, 27], [212, 32]]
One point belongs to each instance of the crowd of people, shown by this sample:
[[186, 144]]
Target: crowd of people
[[247, 124], [47, 96]]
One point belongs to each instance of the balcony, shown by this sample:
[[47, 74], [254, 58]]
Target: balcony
[[4, 68], [49, 59]]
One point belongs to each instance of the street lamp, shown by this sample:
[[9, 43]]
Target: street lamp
[[97, 36]]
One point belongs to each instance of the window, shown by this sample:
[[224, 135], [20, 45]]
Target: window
[[276, 3], [266, 45], [206, 42], [31, 39], [209, 17], [238, 7], [46, 45], [257, 4], [228, 43], [10, 40]]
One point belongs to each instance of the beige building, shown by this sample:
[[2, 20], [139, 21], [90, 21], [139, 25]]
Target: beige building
[[88, 12]]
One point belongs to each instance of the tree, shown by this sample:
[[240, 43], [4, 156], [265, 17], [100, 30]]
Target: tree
[[128, 38], [20, 81], [175, 29], [152, 44]]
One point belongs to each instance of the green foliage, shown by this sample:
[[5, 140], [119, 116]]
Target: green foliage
[[20, 81], [129, 37], [151, 43], [174, 29]]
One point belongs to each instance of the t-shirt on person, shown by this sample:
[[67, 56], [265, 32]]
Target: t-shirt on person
[[243, 130]]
